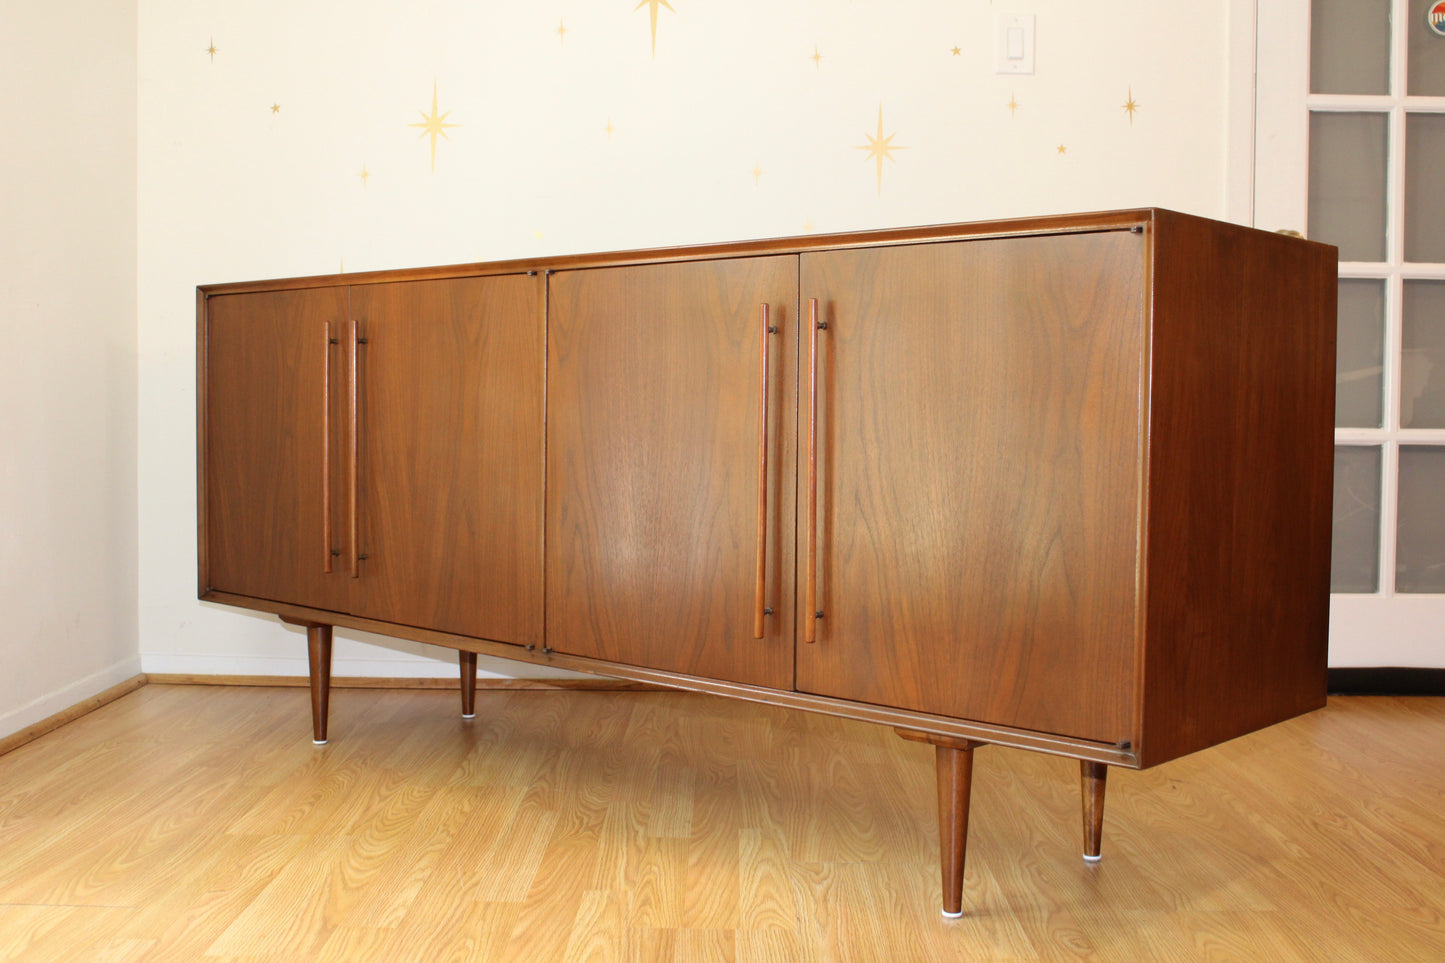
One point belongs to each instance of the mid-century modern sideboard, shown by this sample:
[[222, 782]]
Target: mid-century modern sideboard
[[1060, 483]]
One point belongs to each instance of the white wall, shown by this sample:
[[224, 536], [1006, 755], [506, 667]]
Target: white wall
[[250, 166], [67, 360]]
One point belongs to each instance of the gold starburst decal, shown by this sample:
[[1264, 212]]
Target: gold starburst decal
[[212, 50], [757, 173], [1130, 106], [609, 128], [1013, 104], [956, 50], [561, 31], [652, 6], [817, 58], [433, 125], [275, 108], [880, 147], [364, 175]]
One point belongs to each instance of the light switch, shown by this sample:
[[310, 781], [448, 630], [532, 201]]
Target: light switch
[[1014, 46]]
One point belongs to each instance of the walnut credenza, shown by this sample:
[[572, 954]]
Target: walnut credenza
[[1060, 483]]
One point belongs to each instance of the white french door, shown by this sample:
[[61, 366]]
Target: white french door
[[1350, 150]]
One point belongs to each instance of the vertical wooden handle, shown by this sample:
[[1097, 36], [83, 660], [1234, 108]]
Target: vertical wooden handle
[[810, 583], [353, 433], [760, 591], [326, 450]]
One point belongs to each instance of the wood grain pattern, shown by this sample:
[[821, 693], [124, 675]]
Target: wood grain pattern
[[318, 660], [451, 463], [370, 682], [32, 732], [979, 437], [1241, 458], [1011, 227], [653, 391], [1093, 784], [185, 822], [264, 435], [1014, 529]]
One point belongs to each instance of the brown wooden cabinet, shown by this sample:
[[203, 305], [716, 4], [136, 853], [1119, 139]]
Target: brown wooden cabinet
[[376, 450], [271, 445], [978, 482], [449, 484], [1061, 484], [670, 509]]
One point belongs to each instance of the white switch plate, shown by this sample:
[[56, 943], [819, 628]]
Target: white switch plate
[[1014, 43]]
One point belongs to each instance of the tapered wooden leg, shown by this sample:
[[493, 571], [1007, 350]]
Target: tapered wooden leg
[[468, 662], [954, 762], [318, 649], [1092, 776]]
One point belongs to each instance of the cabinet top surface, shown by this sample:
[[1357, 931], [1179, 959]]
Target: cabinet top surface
[[1140, 218]]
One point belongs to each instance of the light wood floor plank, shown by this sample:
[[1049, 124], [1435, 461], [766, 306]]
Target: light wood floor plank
[[188, 823]]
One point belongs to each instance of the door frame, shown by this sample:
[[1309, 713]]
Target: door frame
[[1381, 628]]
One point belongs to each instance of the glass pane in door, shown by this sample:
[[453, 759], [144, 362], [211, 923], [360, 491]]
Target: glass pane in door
[[1426, 57], [1350, 46], [1422, 364], [1420, 547], [1347, 183], [1360, 353], [1355, 547], [1424, 187]]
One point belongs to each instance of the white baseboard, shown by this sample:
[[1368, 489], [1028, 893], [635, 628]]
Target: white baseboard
[[167, 663], [51, 703]]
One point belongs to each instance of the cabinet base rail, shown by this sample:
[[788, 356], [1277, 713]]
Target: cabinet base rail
[[953, 760]]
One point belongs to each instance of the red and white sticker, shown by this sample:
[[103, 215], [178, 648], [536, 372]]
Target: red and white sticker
[[1435, 17]]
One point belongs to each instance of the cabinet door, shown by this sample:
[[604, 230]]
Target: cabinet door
[[271, 445], [655, 467], [978, 490], [449, 426]]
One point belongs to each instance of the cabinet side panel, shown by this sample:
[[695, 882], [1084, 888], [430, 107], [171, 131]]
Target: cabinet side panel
[[265, 435], [1240, 483]]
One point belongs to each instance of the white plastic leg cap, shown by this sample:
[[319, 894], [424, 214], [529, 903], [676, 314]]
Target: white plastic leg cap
[[318, 742], [472, 716], [1092, 859], [952, 916]]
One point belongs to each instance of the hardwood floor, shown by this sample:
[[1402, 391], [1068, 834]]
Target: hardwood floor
[[196, 822]]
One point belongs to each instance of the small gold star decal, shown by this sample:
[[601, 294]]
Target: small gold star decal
[[956, 50], [364, 175], [212, 50], [561, 31], [1063, 149], [817, 58], [1013, 104], [609, 128], [880, 147], [275, 108], [1130, 106], [652, 6], [433, 125], [757, 173]]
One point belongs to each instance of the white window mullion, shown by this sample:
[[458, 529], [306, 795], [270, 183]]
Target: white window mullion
[[1394, 295], [1389, 516], [1399, 48]]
